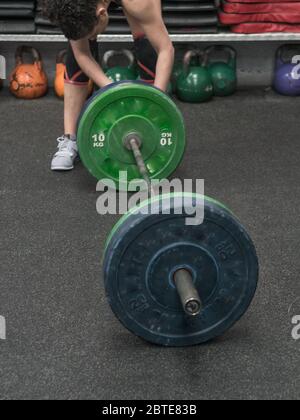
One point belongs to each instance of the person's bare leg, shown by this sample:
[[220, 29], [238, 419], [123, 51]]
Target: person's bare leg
[[75, 97]]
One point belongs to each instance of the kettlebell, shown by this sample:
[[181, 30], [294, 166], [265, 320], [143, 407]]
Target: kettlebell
[[169, 90], [223, 73], [59, 82], [285, 82], [194, 83], [119, 73], [178, 69], [28, 81]]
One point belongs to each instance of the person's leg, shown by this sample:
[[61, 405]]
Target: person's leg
[[76, 93], [75, 98], [145, 53], [76, 90], [146, 57]]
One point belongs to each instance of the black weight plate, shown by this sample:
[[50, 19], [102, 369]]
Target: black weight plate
[[143, 253]]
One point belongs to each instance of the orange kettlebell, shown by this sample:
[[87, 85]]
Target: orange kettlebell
[[28, 81], [59, 83]]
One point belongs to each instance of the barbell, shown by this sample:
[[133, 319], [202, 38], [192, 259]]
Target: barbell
[[169, 283]]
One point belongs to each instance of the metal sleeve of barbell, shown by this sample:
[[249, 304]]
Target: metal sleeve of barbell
[[188, 294], [141, 164]]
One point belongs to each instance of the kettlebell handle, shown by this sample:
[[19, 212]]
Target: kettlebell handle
[[61, 57], [24, 49], [122, 53], [279, 55], [189, 55], [229, 50]]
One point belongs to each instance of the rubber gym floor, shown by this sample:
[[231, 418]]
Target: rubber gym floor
[[63, 341]]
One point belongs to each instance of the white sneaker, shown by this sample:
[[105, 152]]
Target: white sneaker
[[63, 160]]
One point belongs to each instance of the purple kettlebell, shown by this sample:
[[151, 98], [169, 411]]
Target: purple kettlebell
[[287, 78]]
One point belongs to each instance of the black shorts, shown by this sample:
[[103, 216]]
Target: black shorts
[[74, 75], [145, 54], [146, 57]]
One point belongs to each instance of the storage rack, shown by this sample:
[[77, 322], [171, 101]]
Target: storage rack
[[220, 37]]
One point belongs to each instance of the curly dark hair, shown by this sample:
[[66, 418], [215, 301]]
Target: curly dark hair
[[76, 18]]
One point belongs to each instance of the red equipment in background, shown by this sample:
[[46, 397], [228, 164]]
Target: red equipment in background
[[257, 16]]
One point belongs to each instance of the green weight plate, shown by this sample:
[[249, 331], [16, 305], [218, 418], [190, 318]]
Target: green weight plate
[[148, 202], [119, 110]]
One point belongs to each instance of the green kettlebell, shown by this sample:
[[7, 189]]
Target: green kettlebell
[[178, 69], [194, 84], [119, 73], [169, 90], [223, 73]]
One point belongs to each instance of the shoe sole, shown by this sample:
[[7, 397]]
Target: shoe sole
[[61, 169]]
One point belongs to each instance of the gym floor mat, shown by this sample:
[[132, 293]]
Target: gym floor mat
[[63, 342]]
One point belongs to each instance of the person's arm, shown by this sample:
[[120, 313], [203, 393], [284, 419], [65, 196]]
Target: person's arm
[[88, 64], [149, 17]]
